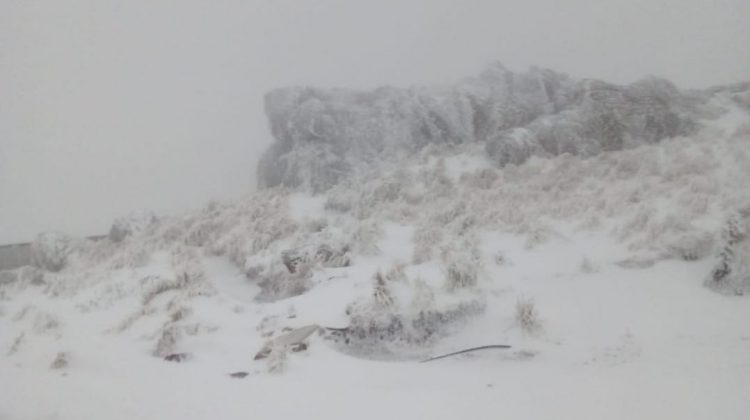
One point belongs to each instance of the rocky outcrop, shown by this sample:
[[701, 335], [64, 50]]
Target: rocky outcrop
[[323, 136]]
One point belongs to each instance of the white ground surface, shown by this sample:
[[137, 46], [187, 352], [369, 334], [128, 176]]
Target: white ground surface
[[615, 344]]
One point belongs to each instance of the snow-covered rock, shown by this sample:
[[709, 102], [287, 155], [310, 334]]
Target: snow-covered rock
[[324, 136]]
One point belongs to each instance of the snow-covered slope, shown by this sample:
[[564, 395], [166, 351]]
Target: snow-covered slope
[[592, 265]]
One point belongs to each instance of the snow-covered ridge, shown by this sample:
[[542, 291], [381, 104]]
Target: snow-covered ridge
[[324, 136]]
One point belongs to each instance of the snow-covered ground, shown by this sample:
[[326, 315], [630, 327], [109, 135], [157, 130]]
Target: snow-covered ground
[[614, 343], [606, 257]]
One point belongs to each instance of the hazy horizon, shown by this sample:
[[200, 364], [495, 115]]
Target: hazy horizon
[[110, 107]]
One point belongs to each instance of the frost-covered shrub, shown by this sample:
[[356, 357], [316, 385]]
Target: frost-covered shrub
[[61, 361], [381, 293], [50, 250], [276, 282], [160, 285], [396, 273], [248, 227], [514, 147], [400, 315], [366, 236], [461, 264], [311, 256], [526, 316], [167, 342], [340, 200], [427, 238], [377, 331], [17, 280], [482, 179], [133, 224], [443, 217], [731, 274], [131, 257], [436, 180], [7, 278], [45, 322], [380, 334], [460, 274], [538, 235], [692, 246]]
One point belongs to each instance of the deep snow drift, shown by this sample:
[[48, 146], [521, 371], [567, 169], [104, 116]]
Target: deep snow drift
[[601, 231]]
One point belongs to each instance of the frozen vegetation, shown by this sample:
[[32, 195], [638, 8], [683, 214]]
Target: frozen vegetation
[[325, 136], [602, 231]]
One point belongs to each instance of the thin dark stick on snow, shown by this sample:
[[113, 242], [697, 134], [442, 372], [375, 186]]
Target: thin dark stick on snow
[[469, 350]]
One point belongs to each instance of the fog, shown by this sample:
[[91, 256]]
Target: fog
[[108, 106]]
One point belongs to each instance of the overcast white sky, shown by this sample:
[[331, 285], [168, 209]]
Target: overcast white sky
[[111, 106]]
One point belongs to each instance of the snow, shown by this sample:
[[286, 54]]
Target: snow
[[324, 137], [611, 251], [616, 344]]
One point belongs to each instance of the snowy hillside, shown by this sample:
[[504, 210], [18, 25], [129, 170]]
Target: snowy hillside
[[601, 231]]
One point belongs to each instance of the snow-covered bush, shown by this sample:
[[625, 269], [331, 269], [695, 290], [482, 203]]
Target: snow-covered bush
[[366, 236], [61, 361], [731, 274], [401, 315], [460, 274], [692, 246], [167, 342], [131, 224], [50, 250], [381, 294], [526, 316], [276, 282], [14, 281], [427, 238]]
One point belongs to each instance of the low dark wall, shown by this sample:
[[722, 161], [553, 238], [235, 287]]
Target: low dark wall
[[18, 255]]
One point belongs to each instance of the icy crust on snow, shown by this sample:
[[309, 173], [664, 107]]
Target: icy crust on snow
[[323, 136]]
